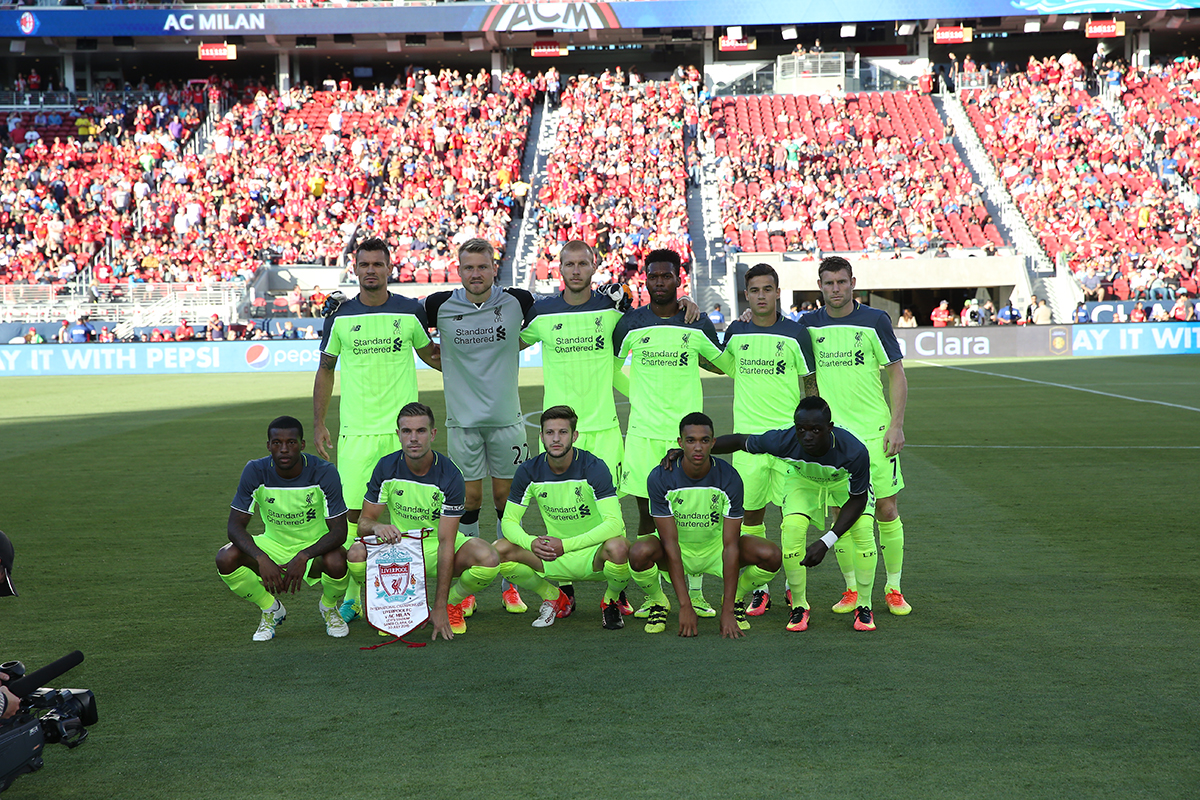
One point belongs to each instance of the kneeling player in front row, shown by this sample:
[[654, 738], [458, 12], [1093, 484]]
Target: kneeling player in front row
[[300, 499], [422, 489], [825, 462], [585, 533], [697, 511]]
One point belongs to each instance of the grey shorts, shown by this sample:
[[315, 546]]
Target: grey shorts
[[488, 452]]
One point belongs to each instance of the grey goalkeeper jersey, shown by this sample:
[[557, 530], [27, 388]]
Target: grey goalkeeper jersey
[[480, 354]]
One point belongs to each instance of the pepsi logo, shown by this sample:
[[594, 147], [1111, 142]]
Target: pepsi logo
[[28, 23], [257, 356]]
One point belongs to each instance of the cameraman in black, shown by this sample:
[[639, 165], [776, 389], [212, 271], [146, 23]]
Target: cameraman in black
[[9, 702]]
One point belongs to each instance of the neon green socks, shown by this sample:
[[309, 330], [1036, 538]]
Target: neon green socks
[[891, 544], [244, 583], [334, 589], [617, 576], [866, 559], [649, 583], [751, 578], [524, 576], [474, 579], [791, 536]]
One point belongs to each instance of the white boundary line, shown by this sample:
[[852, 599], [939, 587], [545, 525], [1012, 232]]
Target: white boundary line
[[1061, 386], [1051, 447]]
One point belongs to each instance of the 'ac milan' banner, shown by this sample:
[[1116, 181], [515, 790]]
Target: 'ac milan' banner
[[396, 599]]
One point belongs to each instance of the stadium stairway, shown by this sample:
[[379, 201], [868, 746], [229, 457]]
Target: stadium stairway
[[520, 254], [1040, 268], [712, 278]]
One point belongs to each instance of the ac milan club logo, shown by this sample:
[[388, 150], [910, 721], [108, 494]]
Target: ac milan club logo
[[28, 24]]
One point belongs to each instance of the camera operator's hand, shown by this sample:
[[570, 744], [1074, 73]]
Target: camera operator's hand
[[9, 702]]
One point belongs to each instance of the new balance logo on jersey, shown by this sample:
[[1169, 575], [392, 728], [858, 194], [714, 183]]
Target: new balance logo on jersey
[[645, 340], [356, 329], [543, 495], [270, 499], [458, 317], [558, 327], [746, 346], [820, 340]]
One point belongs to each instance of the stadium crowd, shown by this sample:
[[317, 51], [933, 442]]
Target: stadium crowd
[[856, 172], [1097, 193], [618, 176]]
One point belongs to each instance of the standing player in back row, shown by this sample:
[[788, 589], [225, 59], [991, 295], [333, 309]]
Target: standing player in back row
[[480, 326], [767, 367], [664, 384], [576, 332], [374, 335], [848, 344]]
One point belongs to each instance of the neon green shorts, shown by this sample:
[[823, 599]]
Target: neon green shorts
[[429, 546], [802, 496], [764, 477], [606, 445], [356, 460], [574, 566], [641, 456], [283, 552], [886, 477], [704, 561]]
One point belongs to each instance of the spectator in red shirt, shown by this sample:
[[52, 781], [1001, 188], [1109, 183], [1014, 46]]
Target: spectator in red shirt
[[184, 332], [942, 315]]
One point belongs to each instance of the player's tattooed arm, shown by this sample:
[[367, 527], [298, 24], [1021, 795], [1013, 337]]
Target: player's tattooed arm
[[810, 385], [322, 392], [708, 366]]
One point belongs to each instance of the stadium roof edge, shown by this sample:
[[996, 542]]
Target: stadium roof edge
[[277, 20]]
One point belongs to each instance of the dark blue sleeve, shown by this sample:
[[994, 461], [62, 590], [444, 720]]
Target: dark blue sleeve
[[331, 484], [454, 488], [243, 499], [375, 484], [883, 328], [516, 494], [656, 487], [806, 348], [734, 490], [599, 477]]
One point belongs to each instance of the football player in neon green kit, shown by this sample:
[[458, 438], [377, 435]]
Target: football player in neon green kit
[[300, 500], [374, 335], [576, 329], [423, 489], [768, 363], [585, 533], [664, 384], [697, 511], [848, 344]]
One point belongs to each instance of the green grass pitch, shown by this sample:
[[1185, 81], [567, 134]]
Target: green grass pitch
[[1052, 557]]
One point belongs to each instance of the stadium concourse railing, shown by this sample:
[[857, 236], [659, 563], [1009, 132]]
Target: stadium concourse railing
[[124, 305]]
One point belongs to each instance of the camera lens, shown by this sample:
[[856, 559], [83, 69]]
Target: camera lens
[[14, 669]]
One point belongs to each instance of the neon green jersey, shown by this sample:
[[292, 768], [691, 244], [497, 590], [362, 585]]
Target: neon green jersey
[[664, 376], [579, 506], [375, 346], [294, 510], [847, 354], [577, 365], [700, 507], [768, 363]]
